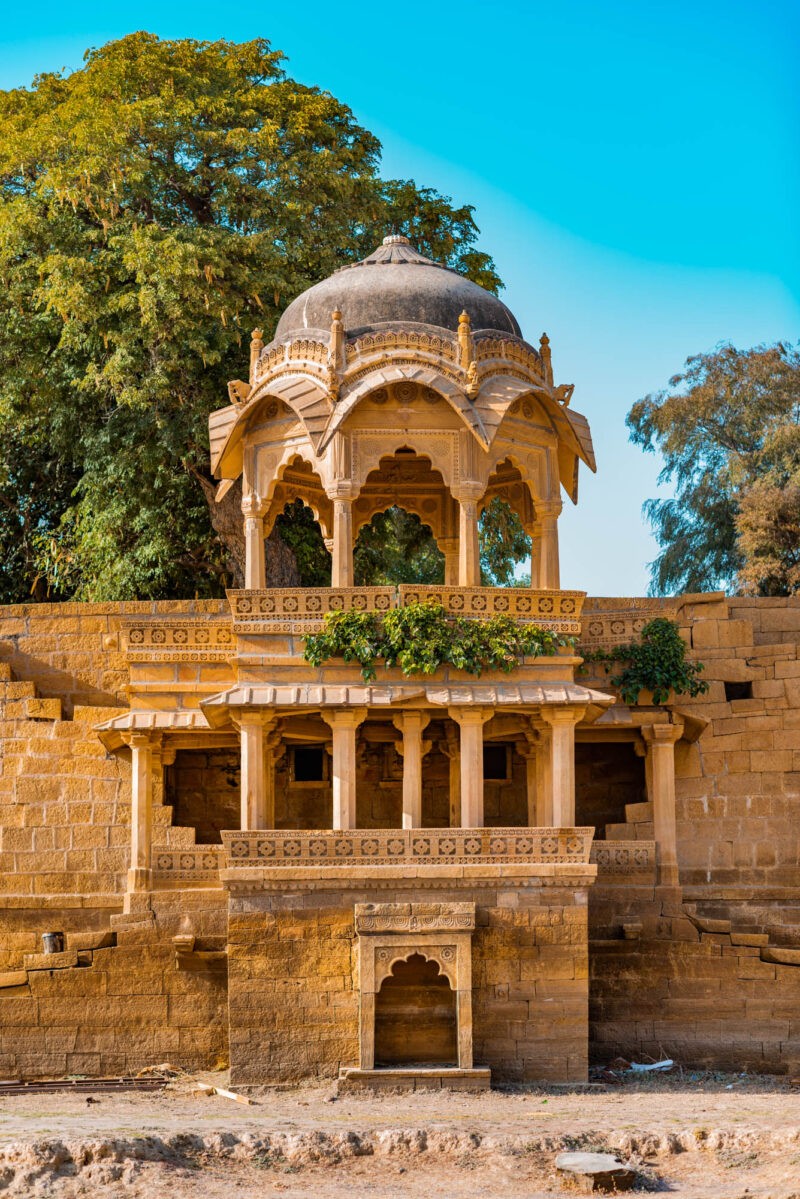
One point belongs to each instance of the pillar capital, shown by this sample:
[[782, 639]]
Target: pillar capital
[[143, 740], [470, 716], [548, 509], [255, 718], [661, 734], [344, 718], [253, 507], [411, 719], [563, 714]]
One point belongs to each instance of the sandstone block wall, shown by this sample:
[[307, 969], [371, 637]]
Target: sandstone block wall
[[119, 1008], [293, 985]]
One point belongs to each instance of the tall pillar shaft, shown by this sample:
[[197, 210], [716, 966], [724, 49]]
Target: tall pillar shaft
[[342, 567], [257, 784], [255, 562], [142, 756], [561, 763], [469, 558], [449, 547], [530, 753], [660, 748], [545, 568], [411, 725], [344, 723], [471, 722]]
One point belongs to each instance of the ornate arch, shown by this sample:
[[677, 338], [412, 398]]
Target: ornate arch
[[280, 490], [387, 957], [410, 372]]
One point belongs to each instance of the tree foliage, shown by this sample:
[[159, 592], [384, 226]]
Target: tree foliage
[[728, 429], [421, 637], [154, 206]]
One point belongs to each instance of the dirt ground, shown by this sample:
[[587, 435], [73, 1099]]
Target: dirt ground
[[707, 1137]]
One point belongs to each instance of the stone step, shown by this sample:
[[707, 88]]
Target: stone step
[[179, 837], [5, 673], [754, 940], [707, 925], [782, 957], [637, 812], [630, 832], [42, 709]]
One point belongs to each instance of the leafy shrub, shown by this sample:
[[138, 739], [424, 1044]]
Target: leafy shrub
[[421, 637], [657, 663]]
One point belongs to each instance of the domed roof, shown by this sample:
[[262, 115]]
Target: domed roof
[[395, 285]]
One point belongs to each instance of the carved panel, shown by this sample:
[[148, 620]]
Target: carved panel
[[411, 847], [302, 609], [558, 610], [606, 629], [177, 641], [413, 917], [201, 863], [624, 857]]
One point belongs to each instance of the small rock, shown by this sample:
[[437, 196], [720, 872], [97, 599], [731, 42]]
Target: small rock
[[596, 1171]]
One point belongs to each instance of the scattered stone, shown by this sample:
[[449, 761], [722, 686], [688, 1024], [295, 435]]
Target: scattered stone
[[596, 1171]]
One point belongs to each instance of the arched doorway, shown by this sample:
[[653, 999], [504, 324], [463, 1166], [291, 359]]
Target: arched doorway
[[415, 1016]]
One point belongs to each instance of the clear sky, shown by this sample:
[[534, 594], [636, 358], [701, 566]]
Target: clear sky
[[634, 165]]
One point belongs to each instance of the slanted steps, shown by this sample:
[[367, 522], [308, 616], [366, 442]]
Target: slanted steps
[[642, 831], [637, 813]]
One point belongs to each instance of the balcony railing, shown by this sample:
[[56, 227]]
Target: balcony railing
[[407, 847]]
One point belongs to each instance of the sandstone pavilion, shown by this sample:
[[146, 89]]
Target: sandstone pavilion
[[408, 881]]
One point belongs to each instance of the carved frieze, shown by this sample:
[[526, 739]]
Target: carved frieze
[[411, 847], [414, 917], [177, 641]]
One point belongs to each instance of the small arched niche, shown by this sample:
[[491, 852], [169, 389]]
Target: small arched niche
[[416, 1016]]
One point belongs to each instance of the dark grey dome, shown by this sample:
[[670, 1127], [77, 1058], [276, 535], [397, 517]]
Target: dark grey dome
[[395, 285]]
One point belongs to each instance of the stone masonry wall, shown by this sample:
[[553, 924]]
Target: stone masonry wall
[[107, 1009], [293, 989]]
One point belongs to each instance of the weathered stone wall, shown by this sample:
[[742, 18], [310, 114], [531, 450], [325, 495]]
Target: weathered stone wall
[[293, 984], [120, 1008], [708, 1001]]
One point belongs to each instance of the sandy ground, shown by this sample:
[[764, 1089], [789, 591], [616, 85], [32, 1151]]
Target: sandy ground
[[720, 1137]]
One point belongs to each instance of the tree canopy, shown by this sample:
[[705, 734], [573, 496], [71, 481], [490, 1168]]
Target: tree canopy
[[728, 429], [154, 206]]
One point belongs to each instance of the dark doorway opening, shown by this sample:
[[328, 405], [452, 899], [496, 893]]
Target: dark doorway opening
[[415, 1017], [608, 775]]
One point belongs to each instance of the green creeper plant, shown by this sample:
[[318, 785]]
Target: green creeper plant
[[421, 637], [656, 663]]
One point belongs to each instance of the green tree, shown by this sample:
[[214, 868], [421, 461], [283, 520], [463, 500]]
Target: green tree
[[728, 429], [154, 206]]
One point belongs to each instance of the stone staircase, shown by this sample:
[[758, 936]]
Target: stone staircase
[[638, 824]]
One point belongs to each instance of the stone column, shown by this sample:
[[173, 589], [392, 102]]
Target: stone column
[[471, 722], [449, 547], [561, 764], [412, 724], [343, 723], [255, 567], [142, 757], [452, 751], [530, 752], [546, 568], [342, 568], [660, 742], [469, 558], [257, 781]]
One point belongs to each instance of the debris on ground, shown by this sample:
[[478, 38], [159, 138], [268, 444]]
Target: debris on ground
[[596, 1171]]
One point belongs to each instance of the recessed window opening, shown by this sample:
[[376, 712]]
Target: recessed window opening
[[496, 763], [738, 691], [309, 764], [415, 1016]]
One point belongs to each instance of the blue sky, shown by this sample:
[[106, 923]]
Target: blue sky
[[635, 170]]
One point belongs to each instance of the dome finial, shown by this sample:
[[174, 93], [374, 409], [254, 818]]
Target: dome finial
[[396, 239]]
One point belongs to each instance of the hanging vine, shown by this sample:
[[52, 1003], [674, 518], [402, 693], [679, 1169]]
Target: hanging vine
[[657, 662]]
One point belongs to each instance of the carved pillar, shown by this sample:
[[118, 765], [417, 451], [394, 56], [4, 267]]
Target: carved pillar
[[142, 767], [471, 722], [255, 568], [529, 750], [561, 762], [469, 558], [342, 568], [452, 751], [257, 781], [449, 547], [547, 569], [412, 724], [660, 742], [343, 723]]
